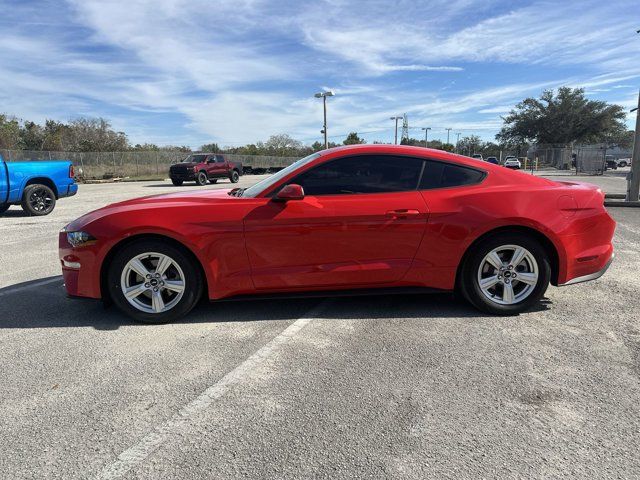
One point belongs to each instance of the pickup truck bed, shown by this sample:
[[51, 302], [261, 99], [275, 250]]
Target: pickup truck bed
[[35, 185]]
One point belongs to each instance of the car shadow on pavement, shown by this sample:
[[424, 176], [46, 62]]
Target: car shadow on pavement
[[14, 212], [43, 303]]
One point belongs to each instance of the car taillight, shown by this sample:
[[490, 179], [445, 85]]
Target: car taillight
[[72, 172]]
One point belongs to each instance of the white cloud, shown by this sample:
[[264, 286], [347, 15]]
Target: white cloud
[[235, 71]]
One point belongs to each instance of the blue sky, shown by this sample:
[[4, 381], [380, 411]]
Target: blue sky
[[236, 71]]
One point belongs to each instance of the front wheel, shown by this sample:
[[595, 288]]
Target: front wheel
[[38, 200], [154, 282], [201, 179], [235, 177], [505, 274]]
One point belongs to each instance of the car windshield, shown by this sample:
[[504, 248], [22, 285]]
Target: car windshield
[[195, 159], [262, 185]]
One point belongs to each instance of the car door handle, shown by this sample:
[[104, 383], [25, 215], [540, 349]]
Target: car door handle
[[402, 213]]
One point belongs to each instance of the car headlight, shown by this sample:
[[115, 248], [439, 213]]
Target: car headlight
[[80, 239]]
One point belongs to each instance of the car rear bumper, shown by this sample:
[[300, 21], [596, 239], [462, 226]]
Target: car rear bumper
[[590, 276]]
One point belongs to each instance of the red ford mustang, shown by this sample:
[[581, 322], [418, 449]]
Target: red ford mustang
[[349, 219]]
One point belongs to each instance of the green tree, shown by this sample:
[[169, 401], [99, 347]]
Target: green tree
[[96, 135], [9, 133], [562, 118], [32, 136], [353, 139], [210, 147]]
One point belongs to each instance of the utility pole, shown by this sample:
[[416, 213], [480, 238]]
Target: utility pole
[[448, 130], [633, 183], [426, 136], [324, 95], [457, 140], [396, 118], [405, 129]]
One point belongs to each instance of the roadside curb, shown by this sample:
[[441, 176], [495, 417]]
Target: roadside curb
[[622, 204]]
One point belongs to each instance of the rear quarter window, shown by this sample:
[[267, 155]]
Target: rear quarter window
[[445, 175]]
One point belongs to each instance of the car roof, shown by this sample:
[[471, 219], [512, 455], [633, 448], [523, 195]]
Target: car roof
[[404, 150]]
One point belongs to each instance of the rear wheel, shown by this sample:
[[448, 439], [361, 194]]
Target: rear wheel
[[154, 282], [506, 274], [623, 164], [38, 200], [176, 182], [4, 207], [201, 179], [235, 176]]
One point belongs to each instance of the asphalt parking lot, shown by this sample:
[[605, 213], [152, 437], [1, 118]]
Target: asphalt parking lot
[[383, 387]]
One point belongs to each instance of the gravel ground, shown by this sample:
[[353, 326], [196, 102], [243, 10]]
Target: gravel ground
[[383, 387]]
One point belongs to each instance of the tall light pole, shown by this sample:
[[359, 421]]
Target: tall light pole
[[324, 95], [396, 118], [448, 130], [457, 140], [426, 135], [633, 186]]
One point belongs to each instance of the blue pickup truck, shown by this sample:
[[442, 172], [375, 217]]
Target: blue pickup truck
[[35, 185]]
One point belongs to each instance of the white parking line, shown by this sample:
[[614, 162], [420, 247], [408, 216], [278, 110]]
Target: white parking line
[[9, 290], [153, 440]]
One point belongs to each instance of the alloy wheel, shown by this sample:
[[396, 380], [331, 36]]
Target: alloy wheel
[[40, 200], [508, 274], [152, 282]]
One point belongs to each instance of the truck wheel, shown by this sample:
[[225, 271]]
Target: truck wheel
[[176, 182], [4, 207], [153, 281], [201, 179], [38, 200], [235, 177], [213, 180]]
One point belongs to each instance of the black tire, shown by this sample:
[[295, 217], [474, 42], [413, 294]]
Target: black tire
[[470, 287], [234, 177], [213, 180], [176, 182], [192, 281], [623, 164], [4, 207], [201, 179], [38, 200]]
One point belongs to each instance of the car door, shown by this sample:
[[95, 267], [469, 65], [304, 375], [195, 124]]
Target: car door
[[4, 181], [214, 169], [360, 223]]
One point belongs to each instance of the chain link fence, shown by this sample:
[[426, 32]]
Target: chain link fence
[[138, 164], [581, 159]]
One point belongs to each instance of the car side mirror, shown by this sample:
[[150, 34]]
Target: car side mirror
[[292, 191]]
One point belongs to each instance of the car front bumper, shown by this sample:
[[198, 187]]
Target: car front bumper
[[80, 269], [182, 176]]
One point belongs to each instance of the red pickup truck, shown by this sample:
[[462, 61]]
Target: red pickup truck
[[205, 166]]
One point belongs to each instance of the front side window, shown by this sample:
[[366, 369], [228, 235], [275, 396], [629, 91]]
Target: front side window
[[195, 159], [443, 175], [362, 174], [268, 182]]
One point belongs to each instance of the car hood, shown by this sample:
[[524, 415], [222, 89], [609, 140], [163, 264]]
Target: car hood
[[185, 164], [178, 199]]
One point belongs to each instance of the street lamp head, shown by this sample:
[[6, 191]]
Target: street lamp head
[[426, 128], [327, 93]]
